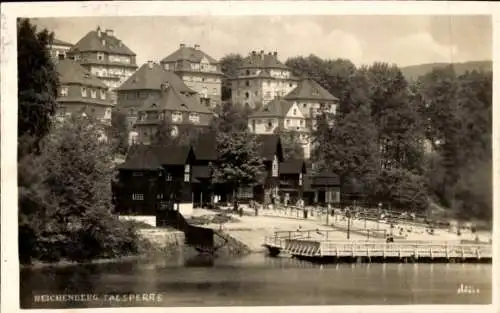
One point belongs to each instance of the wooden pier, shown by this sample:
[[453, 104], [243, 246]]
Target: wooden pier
[[313, 245]]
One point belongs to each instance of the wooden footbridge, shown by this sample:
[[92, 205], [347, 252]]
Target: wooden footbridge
[[314, 245]]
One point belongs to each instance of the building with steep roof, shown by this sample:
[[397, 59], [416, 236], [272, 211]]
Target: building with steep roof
[[146, 84], [106, 57], [311, 98], [181, 110], [198, 70], [260, 79], [59, 48], [295, 112], [81, 92]]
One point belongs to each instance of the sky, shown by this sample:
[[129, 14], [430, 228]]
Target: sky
[[403, 40]]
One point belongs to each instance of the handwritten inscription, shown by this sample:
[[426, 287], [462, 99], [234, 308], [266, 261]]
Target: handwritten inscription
[[467, 289]]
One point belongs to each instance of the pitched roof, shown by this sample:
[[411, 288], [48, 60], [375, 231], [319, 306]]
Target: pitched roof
[[70, 72], [150, 76], [152, 157], [263, 60], [172, 100], [320, 181], [188, 54], [275, 108], [141, 157], [269, 146], [309, 89], [59, 42], [103, 43], [292, 166], [206, 147]]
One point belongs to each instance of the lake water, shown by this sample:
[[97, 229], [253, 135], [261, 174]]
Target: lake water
[[253, 280]]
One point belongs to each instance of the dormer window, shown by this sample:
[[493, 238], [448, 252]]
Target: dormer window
[[84, 92], [315, 92], [177, 117], [100, 56], [93, 93], [103, 94], [194, 118], [294, 111]]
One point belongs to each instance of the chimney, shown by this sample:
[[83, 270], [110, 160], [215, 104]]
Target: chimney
[[182, 45], [261, 52], [109, 32], [99, 31], [275, 53], [196, 46], [254, 53], [150, 64]]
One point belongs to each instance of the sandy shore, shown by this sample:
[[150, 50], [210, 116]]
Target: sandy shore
[[252, 230]]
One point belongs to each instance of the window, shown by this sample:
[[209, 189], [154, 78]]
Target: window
[[256, 93], [194, 117], [159, 196], [304, 105], [253, 125], [247, 95], [103, 94], [187, 173], [248, 73], [177, 117], [162, 116], [269, 123], [138, 196], [301, 122], [93, 93], [100, 56], [315, 92], [247, 83], [137, 174], [287, 122], [76, 57], [290, 85], [215, 91], [84, 92], [294, 111], [61, 111], [168, 176], [64, 91]]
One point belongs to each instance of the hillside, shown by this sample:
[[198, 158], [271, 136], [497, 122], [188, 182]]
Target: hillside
[[414, 71]]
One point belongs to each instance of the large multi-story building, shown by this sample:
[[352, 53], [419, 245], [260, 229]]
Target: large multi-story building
[[59, 48], [295, 112], [146, 84], [106, 57], [80, 92], [198, 70], [260, 79], [173, 107], [312, 99]]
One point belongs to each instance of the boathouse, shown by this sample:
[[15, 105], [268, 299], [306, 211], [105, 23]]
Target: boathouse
[[322, 187], [271, 150]]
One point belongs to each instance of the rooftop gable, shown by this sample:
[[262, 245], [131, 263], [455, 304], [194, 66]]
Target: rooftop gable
[[294, 112], [70, 72], [263, 60], [309, 89], [102, 41], [150, 76], [293, 166], [191, 54], [171, 100], [275, 108], [270, 146]]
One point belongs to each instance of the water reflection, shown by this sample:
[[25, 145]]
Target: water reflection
[[259, 280]]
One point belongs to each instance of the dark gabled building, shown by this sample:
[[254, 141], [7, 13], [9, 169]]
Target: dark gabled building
[[321, 188], [271, 150], [155, 177], [292, 174]]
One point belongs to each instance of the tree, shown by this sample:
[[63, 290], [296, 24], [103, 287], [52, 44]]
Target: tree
[[178, 135], [230, 118], [38, 83], [119, 131], [348, 148], [229, 66], [65, 198], [291, 142], [239, 163]]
